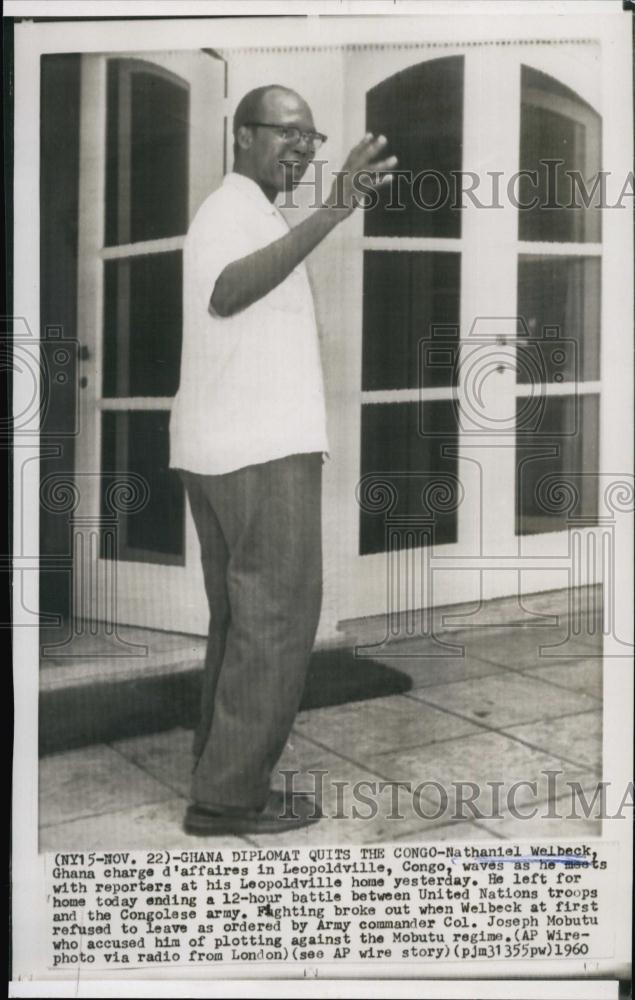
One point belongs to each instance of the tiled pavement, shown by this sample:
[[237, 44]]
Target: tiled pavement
[[501, 713]]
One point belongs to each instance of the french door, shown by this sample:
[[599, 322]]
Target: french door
[[152, 136], [467, 382], [475, 387]]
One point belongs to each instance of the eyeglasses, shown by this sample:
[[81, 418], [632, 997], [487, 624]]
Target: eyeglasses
[[292, 134]]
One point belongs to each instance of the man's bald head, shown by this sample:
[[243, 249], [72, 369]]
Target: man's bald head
[[253, 107]]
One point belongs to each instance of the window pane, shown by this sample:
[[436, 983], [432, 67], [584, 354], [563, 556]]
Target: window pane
[[559, 310], [557, 125], [420, 111], [410, 298], [137, 442], [557, 465], [147, 153], [142, 325], [397, 451]]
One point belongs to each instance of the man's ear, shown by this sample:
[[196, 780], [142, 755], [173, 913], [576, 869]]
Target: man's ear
[[244, 137]]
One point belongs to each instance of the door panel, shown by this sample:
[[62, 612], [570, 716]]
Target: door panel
[[480, 331], [421, 109], [152, 149]]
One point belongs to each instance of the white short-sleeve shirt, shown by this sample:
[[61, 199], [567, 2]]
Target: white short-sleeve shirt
[[251, 385]]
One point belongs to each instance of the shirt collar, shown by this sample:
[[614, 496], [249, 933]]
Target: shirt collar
[[252, 191]]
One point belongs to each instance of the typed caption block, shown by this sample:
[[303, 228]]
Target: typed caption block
[[410, 903]]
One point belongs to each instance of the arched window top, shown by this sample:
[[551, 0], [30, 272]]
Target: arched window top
[[147, 152], [420, 111], [553, 90], [561, 144]]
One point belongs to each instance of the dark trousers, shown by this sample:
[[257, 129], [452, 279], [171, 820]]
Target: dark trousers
[[261, 549]]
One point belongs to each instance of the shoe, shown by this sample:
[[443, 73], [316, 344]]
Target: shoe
[[279, 815]]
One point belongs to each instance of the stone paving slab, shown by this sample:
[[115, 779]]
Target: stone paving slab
[[484, 759], [380, 725], [461, 832], [504, 700], [520, 647], [167, 757], [144, 827], [576, 737], [358, 808], [93, 781], [579, 675], [568, 819], [426, 670]]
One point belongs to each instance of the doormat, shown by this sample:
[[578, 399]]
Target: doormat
[[103, 712]]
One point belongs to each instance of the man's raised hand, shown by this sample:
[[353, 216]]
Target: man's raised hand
[[363, 170], [246, 280]]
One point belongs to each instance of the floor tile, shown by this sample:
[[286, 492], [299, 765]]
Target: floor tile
[[426, 670], [562, 825], [359, 807], [91, 781], [379, 725], [545, 829], [301, 756], [142, 828], [575, 815], [484, 760], [165, 756], [576, 737], [579, 675], [520, 646], [505, 699], [322, 773], [314, 770], [449, 833]]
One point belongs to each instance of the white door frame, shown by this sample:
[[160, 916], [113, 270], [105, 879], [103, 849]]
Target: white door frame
[[110, 590]]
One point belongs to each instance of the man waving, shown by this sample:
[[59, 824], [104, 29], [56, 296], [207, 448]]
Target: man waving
[[248, 433]]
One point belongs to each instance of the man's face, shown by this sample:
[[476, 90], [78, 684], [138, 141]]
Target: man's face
[[269, 149]]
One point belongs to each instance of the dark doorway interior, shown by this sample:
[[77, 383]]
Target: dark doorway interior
[[59, 203]]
